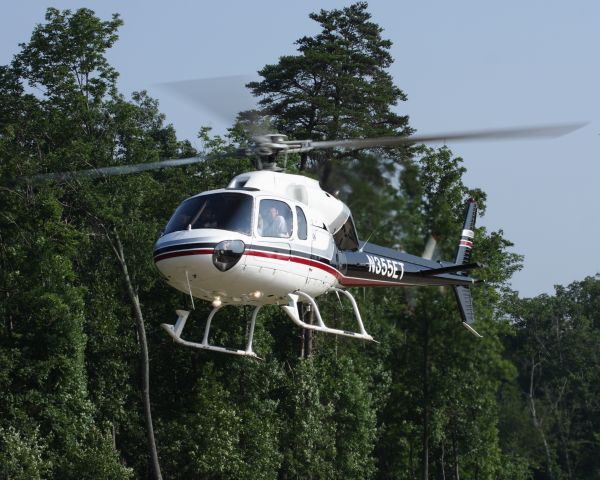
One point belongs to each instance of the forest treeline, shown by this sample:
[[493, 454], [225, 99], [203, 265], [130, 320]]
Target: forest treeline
[[429, 401]]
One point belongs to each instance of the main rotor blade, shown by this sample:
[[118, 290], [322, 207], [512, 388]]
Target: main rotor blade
[[224, 97], [126, 169], [548, 131]]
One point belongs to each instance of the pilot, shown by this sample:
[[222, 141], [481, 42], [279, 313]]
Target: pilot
[[211, 221], [274, 225], [208, 219]]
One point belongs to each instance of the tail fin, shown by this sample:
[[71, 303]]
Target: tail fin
[[465, 244], [463, 257]]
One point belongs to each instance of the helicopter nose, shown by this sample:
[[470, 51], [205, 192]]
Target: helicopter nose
[[227, 253]]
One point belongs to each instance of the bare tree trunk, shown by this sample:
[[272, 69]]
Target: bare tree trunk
[[306, 314], [413, 469], [135, 302], [308, 336], [556, 403], [442, 461], [455, 452], [537, 423], [425, 439], [565, 445]]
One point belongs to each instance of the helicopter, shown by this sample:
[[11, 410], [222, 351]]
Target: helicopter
[[275, 238]]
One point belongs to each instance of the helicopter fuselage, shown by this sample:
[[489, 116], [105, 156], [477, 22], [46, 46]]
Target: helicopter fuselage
[[247, 246], [265, 266]]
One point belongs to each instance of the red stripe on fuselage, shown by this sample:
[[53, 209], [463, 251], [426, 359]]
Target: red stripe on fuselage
[[263, 254], [345, 281], [293, 258]]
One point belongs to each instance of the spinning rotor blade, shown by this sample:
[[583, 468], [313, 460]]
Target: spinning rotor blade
[[264, 143], [126, 169], [548, 131], [224, 97]]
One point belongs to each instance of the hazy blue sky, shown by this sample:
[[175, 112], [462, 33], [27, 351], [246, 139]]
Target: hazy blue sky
[[463, 64]]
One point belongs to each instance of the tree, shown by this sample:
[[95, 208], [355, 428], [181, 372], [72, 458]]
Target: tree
[[337, 86], [42, 342], [442, 404], [75, 258], [79, 120], [555, 349]]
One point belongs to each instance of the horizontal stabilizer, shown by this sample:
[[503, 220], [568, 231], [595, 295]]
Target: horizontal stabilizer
[[451, 269]]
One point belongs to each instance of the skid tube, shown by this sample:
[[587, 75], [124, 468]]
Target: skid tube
[[182, 315], [292, 310]]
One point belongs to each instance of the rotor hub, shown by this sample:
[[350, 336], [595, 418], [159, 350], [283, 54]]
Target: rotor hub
[[268, 147]]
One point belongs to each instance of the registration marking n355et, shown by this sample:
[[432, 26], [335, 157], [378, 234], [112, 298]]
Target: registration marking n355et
[[386, 267]]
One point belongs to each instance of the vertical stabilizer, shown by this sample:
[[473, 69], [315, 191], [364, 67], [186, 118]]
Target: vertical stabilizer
[[465, 244], [463, 256]]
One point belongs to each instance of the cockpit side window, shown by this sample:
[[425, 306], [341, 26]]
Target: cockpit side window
[[302, 224], [345, 238], [274, 219], [222, 211]]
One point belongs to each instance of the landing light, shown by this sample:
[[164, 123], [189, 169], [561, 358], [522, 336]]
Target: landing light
[[257, 294], [216, 303]]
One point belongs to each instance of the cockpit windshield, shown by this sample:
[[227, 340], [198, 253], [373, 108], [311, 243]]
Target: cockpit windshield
[[345, 238], [223, 211]]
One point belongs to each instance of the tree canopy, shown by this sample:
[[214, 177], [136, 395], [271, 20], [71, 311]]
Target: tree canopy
[[79, 293]]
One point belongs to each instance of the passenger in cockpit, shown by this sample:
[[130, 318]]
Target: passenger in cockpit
[[274, 225]]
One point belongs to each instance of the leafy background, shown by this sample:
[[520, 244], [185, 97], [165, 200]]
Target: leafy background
[[429, 401]]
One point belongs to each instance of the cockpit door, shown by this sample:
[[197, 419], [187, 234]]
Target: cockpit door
[[302, 245], [322, 250], [272, 234]]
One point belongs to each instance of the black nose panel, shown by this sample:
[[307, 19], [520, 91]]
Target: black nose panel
[[227, 253]]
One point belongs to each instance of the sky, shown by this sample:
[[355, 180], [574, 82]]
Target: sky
[[463, 65]]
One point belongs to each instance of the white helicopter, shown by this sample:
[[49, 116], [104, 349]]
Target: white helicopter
[[273, 238]]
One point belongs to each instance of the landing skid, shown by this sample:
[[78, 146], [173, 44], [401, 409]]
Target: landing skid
[[182, 315], [292, 310]]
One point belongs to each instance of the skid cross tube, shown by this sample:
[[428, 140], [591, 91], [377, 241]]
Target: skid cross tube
[[292, 310], [182, 315]]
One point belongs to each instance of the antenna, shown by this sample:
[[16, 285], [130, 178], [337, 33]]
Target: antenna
[[367, 240]]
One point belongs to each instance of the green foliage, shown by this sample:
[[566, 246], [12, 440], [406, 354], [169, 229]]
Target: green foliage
[[337, 85], [441, 417], [21, 455], [556, 351], [308, 441], [42, 356], [66, 56], [429, 399]]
